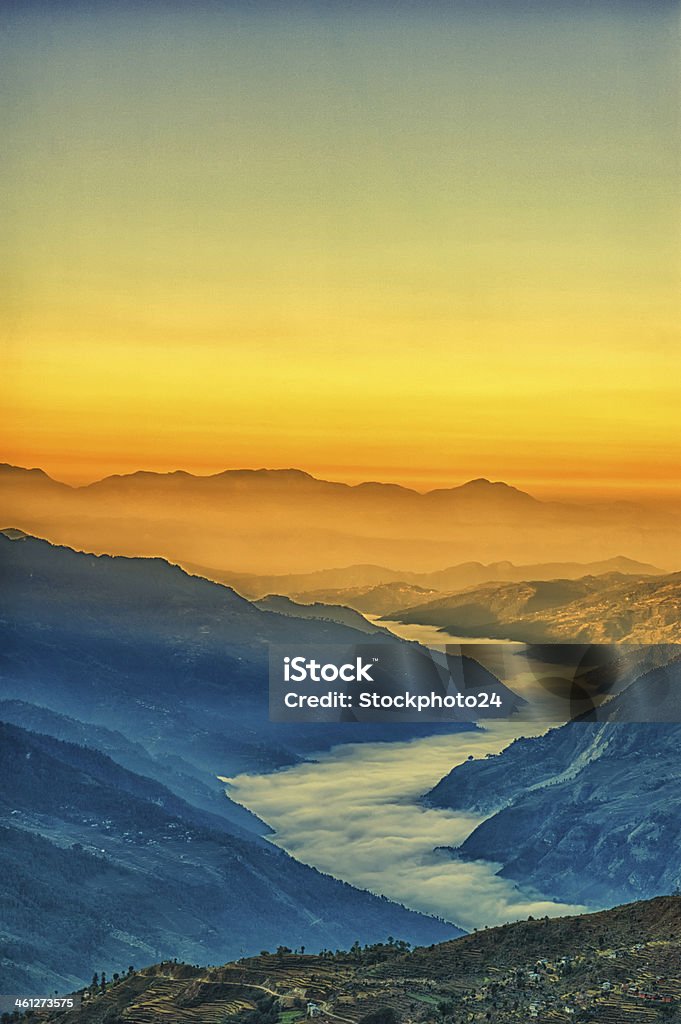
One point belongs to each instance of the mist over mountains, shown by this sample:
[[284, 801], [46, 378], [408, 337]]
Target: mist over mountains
[[141, 873], [284, 521], [128, 685], [126, 688], [377, 590]]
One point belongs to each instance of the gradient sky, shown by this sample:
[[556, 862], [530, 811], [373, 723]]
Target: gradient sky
[[418, 242]]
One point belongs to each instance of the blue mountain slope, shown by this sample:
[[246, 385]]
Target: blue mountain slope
[[112, 851], [101, 867], [173, 662], [590, 812], [182, 778]]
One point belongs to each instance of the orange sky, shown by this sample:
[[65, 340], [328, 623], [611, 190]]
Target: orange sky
[[372, 247]]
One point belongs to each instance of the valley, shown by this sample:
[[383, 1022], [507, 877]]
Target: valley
[[130, 687], [356, 813]]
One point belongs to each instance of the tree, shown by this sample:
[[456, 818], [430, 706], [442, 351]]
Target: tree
[[384, 1015]]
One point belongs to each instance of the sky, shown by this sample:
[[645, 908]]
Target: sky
[[410, 242]]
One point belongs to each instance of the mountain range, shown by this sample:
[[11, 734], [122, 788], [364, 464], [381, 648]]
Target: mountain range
[[173, 661], [284, 521], [126, 688], [325, 612], [128, 685], [376, 589]]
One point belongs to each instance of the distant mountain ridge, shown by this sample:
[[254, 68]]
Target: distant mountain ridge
[[367, 588], [360, 578], [265, 476], [283, 521], [325, 612]]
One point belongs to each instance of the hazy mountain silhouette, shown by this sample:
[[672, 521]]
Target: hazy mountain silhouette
[[326, 612], [283, 521], [384, 598], [375, 590]]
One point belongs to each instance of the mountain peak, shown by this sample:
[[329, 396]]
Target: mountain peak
[[483, 489], [481, 483], [263, 471], [12, 533], [7, 469]]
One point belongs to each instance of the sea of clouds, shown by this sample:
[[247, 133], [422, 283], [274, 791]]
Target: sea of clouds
[[354, 814]]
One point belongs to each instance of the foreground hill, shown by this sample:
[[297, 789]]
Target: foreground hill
[[286, 521], [621, 965], [593, 609]]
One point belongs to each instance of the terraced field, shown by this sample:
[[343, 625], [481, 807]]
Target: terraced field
[[617, 967]]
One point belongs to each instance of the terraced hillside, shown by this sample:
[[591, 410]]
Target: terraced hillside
[[620, 966]]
